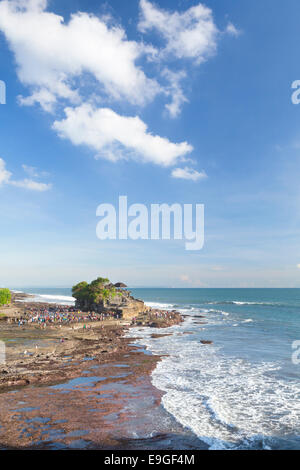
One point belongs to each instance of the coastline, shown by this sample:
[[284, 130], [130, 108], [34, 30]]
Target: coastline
[[189, 397], [82, 388]]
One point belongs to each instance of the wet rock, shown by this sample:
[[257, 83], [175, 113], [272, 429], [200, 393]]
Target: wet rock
[[156, 336]]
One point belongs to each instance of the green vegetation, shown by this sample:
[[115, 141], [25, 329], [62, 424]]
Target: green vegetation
[[98, 290], [5, 296]]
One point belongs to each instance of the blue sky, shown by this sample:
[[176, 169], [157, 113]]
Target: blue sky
[[205, 88]]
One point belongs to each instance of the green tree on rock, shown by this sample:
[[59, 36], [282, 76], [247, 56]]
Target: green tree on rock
[[99, 290]]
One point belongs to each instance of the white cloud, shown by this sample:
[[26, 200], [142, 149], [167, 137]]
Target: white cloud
[[231, 29], [4, 174], [192, 281], [33, 172], [217, 268], [30, 170], [90, 59], [188, 174], [176, 92], [32, 185], [51, 54], [5, 178], [191, 34], [298, 266], [115, 137], [44, 97]]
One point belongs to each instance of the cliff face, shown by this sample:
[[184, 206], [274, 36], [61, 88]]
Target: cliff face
[[122, 304], [131, 308]]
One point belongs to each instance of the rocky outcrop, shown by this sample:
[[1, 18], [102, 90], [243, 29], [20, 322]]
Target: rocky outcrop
[[121, 303], [132, 308]]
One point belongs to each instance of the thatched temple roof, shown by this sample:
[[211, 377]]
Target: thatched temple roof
[[120, 284]]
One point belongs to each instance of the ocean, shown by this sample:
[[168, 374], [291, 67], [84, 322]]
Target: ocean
[[243, 390]]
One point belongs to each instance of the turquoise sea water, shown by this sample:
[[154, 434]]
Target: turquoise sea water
[[242, 391]]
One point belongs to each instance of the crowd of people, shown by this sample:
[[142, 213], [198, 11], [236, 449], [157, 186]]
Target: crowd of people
[[46, 314], [61, 315], [165, 314], [155, 314]]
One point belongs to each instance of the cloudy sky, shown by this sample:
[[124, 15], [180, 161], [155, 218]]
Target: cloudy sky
[[164, 102]]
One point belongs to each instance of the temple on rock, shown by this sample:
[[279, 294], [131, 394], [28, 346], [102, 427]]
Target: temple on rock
[[104, 297]]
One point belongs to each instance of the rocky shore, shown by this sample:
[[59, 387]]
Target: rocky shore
[[68, 381], [43, 355]]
